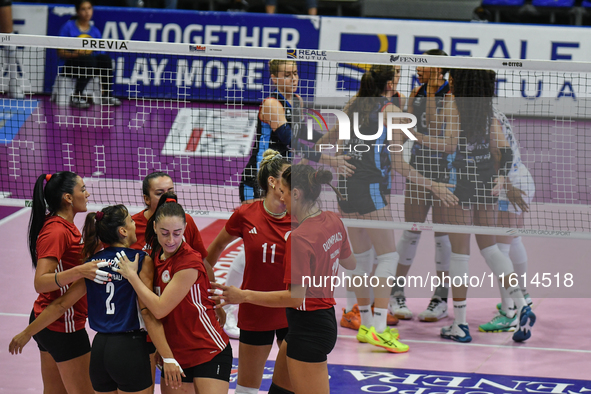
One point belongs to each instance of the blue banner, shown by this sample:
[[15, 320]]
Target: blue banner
[[190, 77]]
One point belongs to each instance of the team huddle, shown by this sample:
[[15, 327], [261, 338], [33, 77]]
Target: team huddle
[[146, 282]]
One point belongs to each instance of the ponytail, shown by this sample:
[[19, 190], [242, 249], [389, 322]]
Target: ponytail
[[47, 200], [271, 165], [309, 181], [102, 227]]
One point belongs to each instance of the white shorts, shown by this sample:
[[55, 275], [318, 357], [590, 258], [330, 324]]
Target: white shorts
[[523, 180]]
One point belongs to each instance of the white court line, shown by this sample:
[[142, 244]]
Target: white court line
[[14, 215], [485, 345], [15, 314]]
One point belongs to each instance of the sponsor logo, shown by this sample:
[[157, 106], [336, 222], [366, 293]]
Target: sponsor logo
[[550, 233], [513, 64], [307, 54], [104, 44], [253, 231], [197, 48], [407, 59], [166, 276], [5, 38]]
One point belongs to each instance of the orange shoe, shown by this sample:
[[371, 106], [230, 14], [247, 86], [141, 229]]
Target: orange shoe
[[351, 319], [391, 320]]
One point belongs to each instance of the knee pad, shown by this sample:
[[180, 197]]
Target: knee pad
[[442, 253], [246, 390], [518, 254], [274, 389], [458, 267], [499, 264], [504, 248], [387, 264], [364, 264], [407, 247]]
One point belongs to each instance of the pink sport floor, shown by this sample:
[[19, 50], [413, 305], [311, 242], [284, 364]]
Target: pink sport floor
[[560, 347]]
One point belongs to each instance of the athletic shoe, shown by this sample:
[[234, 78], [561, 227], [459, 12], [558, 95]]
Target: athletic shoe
[[527, 299], [526, 321], [456, 332], [391, 320], [231, 326], [362, 334], [499, 323], [79, 102], [387, 340], [398, 308], [112, 101], [351, 319], [436, 310]]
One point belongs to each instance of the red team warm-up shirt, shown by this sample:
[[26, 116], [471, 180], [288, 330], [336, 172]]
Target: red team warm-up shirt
[[264, 246], [192, 235], [314, 250], [192, 329], [62, 240]]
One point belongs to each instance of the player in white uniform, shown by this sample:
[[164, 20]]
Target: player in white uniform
[[514, 200]]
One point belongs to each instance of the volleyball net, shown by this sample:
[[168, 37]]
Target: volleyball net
[[192, 111]]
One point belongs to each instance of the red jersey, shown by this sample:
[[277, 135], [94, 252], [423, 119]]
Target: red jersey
[[264, 247], [191, 235], [313, 251], [192, 329], [62, 240]]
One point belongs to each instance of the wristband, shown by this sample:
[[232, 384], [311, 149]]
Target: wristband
[[56, 282], [172, 361]]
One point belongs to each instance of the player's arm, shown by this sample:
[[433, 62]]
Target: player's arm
[[349, 263], [218, 245], [47, 280], [290, 298], [172, 374], [273, 113], [50, 314]]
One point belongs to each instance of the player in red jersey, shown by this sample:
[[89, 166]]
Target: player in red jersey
[[181, 302], [55, 245], [314, 250], [154, 186], [263, 226]]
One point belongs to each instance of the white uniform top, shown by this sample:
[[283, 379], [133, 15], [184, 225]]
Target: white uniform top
[[510, 137]]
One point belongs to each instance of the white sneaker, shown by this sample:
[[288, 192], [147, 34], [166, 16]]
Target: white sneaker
[[15, 90], [398, 308], [436, 310], [111, 101], [231, 326]]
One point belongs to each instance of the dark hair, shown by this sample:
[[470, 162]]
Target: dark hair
[[373, 84], [48, 200], [438, 52], [308, 180], [104, 229], [78, 4], [164, 209], [473, 92], [148, 179], [271, 165]]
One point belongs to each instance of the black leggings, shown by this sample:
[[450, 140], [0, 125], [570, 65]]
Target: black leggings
[[85, 67]]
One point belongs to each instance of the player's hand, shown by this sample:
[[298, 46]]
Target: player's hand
[[221, 315], [442, 192], [515, 196], [173, 373], [18, 343], [124, 266], [91, 271], [342, 165], [227, 294], [499, 184]]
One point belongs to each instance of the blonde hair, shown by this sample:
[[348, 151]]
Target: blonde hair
[[271, 165], [275, 63]]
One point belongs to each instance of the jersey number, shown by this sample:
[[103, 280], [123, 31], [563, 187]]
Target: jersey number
[[273, 247], [111, 293]]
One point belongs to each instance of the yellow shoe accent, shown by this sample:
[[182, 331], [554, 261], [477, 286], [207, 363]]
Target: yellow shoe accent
[[387, 340], [362, 334]]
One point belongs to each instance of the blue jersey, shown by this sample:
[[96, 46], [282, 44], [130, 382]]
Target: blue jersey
[[113, 308], [71, 29]]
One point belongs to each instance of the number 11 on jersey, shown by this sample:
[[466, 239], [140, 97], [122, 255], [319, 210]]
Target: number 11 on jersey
[[273, 247]]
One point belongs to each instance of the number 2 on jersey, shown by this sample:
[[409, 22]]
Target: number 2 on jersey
[[111, 293], [273, 247]]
